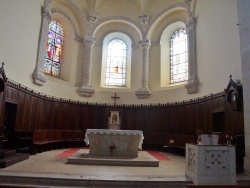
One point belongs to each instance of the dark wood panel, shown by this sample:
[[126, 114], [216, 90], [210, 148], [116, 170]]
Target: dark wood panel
[[20, 113], [34, 113], [11, 95], [1, 108], [38, 112]]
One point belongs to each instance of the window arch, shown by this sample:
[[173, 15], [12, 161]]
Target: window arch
[[116, 63], [178, 57], [165, 63], [53, 56]]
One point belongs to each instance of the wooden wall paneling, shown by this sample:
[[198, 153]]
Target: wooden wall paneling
[[197, 118], [27, 114], [152, 120], [166, 115], [140, 119], [130, 118], [182, 125], [160, 126], [2, 103], [43, 115], [186, 124], [74, 116], [125, 118], [20, 121], [61, 116], [146, 118], [40, 116], [84, 124], [208, 121], [189, 118], [201, 113], [11, 95], [65, 118], [94, 117], [48, 115], [58, 113], [34, 113], [98, 119], [102, 118]]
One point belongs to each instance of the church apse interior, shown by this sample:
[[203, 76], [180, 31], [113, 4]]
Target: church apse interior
[[169, 67]]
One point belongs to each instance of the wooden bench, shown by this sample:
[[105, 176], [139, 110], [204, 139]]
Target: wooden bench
[[177, 142], [50, 139], [169, 142]]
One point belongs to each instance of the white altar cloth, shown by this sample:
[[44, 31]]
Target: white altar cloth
[[115, 132], [125, 142]]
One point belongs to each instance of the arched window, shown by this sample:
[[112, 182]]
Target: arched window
[[178, 57], [54, 45], [116, 63]]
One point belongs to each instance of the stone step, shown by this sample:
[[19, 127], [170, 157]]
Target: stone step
[[16, 158], [7, 153]]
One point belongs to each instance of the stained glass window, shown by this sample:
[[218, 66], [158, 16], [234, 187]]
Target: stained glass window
[[116, 63], [54, 45], [178, 57]]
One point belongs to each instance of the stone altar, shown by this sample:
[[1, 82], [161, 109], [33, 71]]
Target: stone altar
[[207, 164], [126, 142]]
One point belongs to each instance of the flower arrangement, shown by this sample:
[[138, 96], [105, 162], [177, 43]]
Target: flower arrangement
[[199, 132], [112, 147], [228, 139]]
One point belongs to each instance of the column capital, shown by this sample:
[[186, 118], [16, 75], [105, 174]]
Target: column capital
[[142, 93], [47, 14], [191, 23], [87, 91], [192, 85], [145, 44], [88, 40], [39, 77]]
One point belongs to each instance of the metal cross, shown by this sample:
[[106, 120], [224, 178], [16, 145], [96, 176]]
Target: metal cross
[[115, 98]]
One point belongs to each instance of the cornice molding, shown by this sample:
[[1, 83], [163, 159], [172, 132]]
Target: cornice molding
[[20, 87]]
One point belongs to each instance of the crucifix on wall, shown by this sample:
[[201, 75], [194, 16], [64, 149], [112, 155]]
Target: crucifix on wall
[[114, 119], [115, 98]]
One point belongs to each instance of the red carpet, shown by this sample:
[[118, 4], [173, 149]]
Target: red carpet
[[159, 156], [68, 152]]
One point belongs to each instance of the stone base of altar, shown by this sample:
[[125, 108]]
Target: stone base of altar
[[120, 142], [83, 157]]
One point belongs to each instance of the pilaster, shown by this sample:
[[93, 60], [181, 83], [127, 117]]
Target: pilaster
[[38, 74], [86, 89], [143, 91], [192, 84]]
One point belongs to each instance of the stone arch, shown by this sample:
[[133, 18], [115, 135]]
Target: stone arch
[[127, 21], [100, 42], [76, 33]]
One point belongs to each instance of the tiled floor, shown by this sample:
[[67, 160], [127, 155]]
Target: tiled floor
[[48, 162], [48, 165]]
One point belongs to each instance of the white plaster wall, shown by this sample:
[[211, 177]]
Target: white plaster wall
[[19, 35], [218, 53]]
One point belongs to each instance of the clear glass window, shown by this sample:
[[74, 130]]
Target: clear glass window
[[116, 63], [178, 57]]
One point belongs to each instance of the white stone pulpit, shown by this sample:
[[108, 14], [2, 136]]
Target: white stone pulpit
[[211, 164]]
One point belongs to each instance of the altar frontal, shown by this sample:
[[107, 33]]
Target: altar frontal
[[106, 142]]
